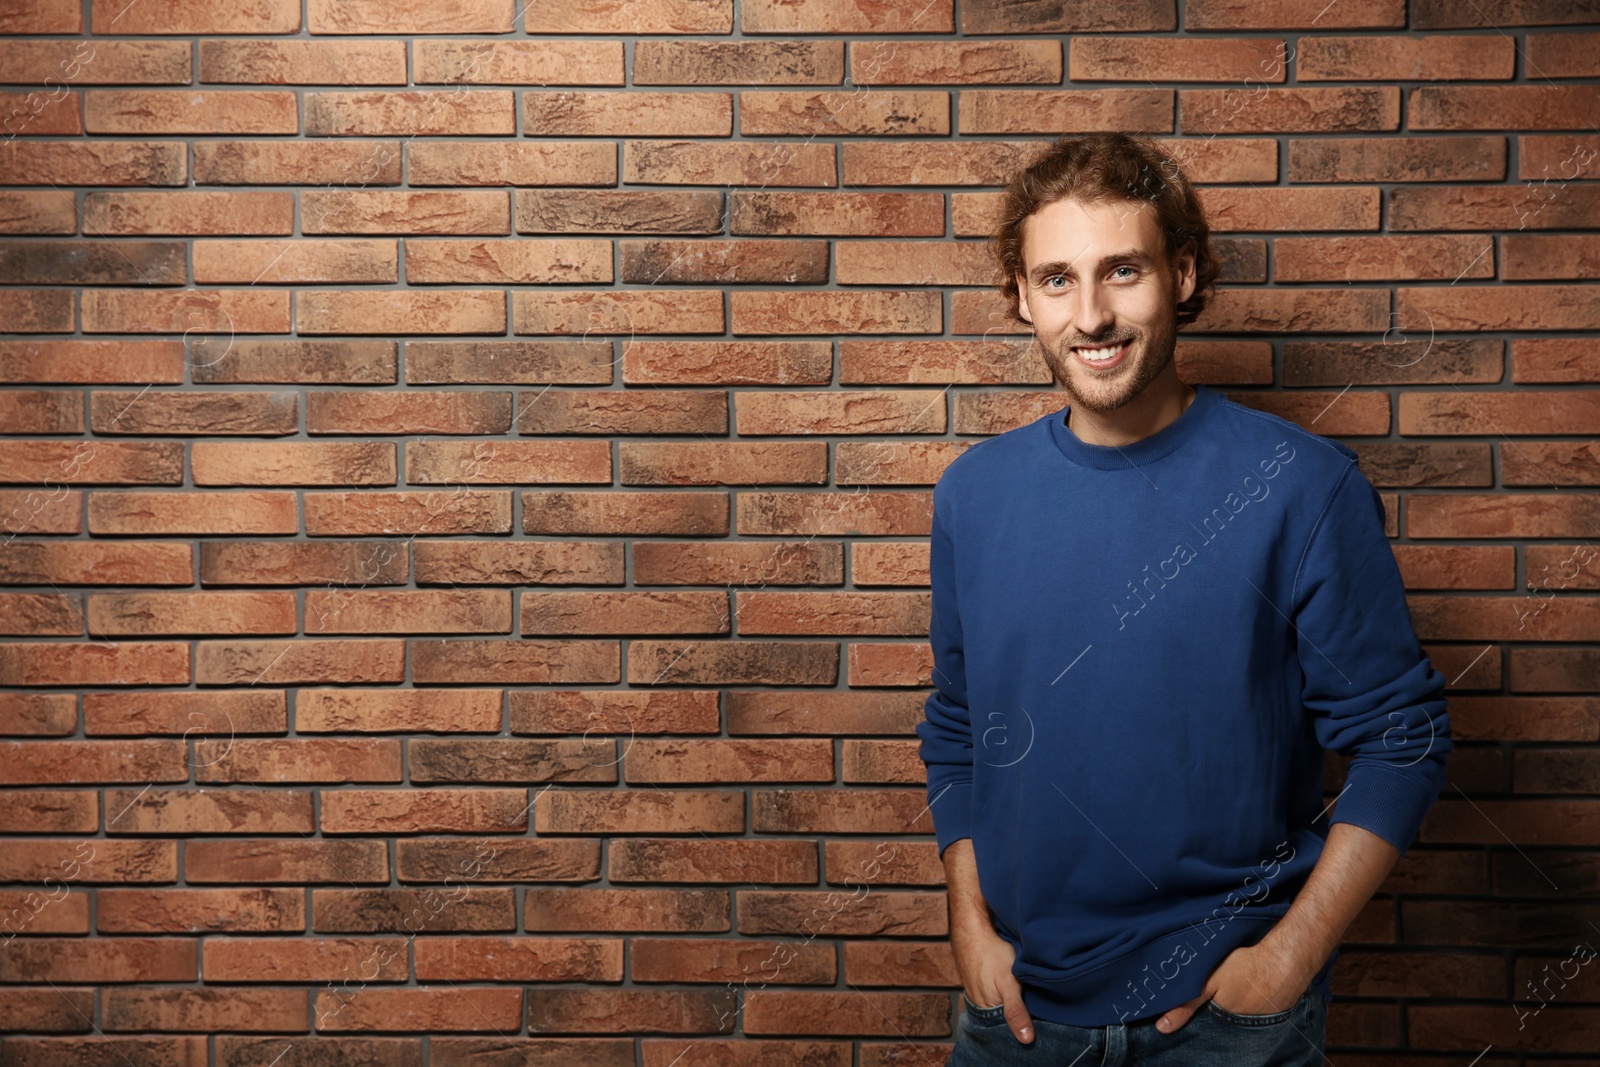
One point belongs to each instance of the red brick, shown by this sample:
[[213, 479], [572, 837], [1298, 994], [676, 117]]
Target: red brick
[[1559, 157], [519, 261], [1454, 57], [296, 361], [517, 163], [796, 62], [96, 663], [886, 112], [54, 62], [847, 16], [1297, 310], [293, 463], [633, 17], [92, 362], [626, 114], [37, 212], [42, 16], [516, 662], [68, 960], [188, 213], [37, 310], [93, 163], [1344, 258], [85, 262], [1286, 109], [656, 261], [656, 411], [618, 311], [1501, 107], [1292, 209], [192, 713], [615, 512], [875, 411], [400, 311], [114, 411], [219, 513], [513, 62], [915, 263], [836, 214], [220, 311], [1061, 111], [730, 163], [1522, 412], [491, 1010], [1397, 159], [1563, 55], [726, 362], [267, 1009], [1553, 359], [724, 463], [1443, 14], [483, 611], [1500, 307], [409, 16], [508, 362], [1294, 15], [618, 211], [100, 462], [885, 62], [267, 62], [1258, 60], [299, 260], [40, 113], [190, 111], [404, 211], [192, 17], [354, 164], [885, 311], [410, 113], [1494, 207], [427, 512], [410, 411]]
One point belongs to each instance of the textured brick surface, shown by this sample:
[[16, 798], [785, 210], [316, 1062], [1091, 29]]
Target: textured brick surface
[[468, 481]]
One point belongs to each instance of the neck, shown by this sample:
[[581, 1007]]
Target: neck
[[1156, 407]]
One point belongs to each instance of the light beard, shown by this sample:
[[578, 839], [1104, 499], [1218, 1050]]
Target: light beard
[[1126, 385]]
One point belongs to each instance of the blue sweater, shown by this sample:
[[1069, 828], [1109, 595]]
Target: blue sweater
[[1140, 654]]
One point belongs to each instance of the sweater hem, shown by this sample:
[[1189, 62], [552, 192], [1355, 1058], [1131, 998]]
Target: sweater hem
[[1113, 993]]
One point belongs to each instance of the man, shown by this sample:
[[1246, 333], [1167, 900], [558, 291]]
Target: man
[[1153, 610]]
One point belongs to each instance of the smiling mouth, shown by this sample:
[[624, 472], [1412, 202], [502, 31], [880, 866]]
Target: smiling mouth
[[1101, 355]]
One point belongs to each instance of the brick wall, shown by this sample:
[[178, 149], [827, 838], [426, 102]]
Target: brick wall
[[468, 474]]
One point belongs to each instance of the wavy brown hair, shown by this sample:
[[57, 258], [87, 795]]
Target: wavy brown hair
[[1098, 167]]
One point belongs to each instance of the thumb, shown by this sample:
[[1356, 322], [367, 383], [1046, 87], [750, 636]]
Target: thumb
[[1017, 1017], [1176, 1017]]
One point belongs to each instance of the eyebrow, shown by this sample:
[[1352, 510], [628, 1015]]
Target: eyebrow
[[1054, 267]]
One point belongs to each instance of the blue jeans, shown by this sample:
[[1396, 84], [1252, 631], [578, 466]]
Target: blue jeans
[[1212, 1037]]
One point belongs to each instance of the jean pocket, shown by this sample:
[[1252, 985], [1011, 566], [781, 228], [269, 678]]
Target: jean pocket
[[1276, 1018], [984, 1016]]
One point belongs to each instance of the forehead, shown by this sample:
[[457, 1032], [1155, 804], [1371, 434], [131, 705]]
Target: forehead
[[1072, 229]]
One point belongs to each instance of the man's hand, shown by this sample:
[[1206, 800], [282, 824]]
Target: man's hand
[[984, 959], [1257, 979]]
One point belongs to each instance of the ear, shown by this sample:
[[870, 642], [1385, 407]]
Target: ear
[[1022, 300], [1184, 269]]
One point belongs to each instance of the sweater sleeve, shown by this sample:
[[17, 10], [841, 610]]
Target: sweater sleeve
[[1374, 694], [946, 728]]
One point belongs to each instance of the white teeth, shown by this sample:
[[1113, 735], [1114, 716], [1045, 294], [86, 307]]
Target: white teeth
[[1097, 355]]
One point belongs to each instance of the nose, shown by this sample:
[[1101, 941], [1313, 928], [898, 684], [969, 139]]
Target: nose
[[1093, 312]]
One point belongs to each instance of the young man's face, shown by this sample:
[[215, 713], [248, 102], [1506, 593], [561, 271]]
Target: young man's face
[[1097, 282]]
